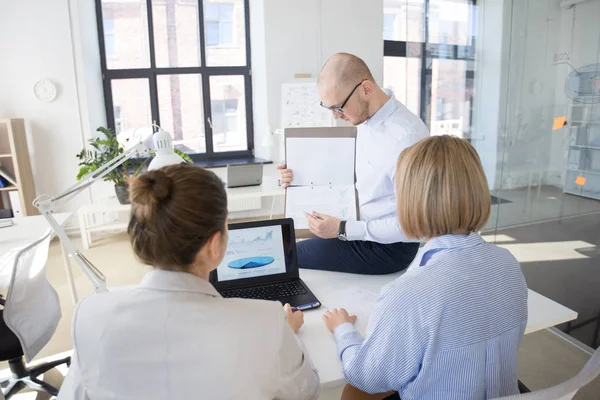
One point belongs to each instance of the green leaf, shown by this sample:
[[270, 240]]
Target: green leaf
[[101, 151], [183, 155], [82, 172]]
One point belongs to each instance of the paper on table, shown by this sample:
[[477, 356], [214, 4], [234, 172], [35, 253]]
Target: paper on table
[[336, 201], [321, 161], [357, 302]]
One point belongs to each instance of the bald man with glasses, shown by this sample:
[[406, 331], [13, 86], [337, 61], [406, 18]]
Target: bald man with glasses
[[376, 243]]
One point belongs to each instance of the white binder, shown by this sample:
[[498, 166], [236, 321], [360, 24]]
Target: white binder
[[15, 202], [323, 162]]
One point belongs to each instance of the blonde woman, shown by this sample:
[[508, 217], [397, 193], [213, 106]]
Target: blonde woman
[[450, 327]]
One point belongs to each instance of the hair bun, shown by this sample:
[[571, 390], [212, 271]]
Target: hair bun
[[150, 188]]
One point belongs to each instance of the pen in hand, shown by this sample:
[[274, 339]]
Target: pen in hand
[[307, 306], [312, 215]]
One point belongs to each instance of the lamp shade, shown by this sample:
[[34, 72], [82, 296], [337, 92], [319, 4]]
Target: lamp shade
[[165, 155]]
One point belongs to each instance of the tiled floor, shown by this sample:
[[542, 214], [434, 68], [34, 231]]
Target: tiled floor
[[561, 260]]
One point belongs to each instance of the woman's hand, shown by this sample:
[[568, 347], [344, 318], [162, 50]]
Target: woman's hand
[[295, 319], [337, 317]]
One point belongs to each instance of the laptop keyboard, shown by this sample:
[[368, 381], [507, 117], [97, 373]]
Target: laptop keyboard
[[268, 292]]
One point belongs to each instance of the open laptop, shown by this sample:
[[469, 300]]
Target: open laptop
[[244, 175], [261, 263]]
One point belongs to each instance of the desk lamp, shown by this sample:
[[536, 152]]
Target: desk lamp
[[165, 155]]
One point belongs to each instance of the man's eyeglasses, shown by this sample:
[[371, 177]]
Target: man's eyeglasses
[[340, 109]]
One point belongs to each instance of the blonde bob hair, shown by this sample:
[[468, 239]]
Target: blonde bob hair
[[441, 188]]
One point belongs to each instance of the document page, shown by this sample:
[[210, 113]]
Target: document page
[[336, 201], [357, 302], [321, 161]]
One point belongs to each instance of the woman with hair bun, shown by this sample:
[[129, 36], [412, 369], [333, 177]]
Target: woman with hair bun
[[173, 336]]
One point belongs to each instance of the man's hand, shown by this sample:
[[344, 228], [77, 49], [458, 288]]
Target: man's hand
[[286, 176], [324, 226], [337, 317], [295, 319]]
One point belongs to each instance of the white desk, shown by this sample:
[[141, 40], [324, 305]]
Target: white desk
[[28, 229], [238, 200], [269, 187], [319, 342]]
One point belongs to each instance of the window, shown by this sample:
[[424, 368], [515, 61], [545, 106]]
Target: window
[[450, 21], [388, 26], [440, 109], [118, 120], [225, 115], [429, 62], [219, 24], [183, 65], [109, 37]]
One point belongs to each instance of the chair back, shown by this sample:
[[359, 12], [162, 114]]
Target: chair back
[[32, 309], [568, 389]]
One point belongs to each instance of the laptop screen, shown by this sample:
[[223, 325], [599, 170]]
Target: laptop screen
[[259, 252], [253, 252]]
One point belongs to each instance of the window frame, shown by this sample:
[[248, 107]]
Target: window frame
[[152, 72], [427, 52]]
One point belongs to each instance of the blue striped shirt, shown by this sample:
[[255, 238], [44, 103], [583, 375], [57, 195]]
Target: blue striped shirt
[[449, 328]]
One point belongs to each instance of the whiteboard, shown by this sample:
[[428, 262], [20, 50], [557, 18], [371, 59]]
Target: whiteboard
[[300, 106]]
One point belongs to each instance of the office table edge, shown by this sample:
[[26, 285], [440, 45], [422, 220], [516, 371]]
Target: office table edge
[[560, 315]]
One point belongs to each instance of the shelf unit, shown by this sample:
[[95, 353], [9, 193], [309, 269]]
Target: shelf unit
[[14, 158], [584, 150]]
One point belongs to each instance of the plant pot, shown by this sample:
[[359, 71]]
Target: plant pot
[[122, 192]]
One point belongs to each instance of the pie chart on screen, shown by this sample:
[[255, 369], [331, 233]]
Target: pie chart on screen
[[250, 262]]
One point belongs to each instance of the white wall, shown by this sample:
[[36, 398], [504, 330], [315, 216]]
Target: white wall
[[353, 26], [89, 79], [291, 37], [299, 36], [36, 43]]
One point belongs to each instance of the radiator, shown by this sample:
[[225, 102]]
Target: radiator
[[244, 204]]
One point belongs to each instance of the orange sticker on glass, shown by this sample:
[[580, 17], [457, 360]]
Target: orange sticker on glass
[[559, 122], [580, 180]]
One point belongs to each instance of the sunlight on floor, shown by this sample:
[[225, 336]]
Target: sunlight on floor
[[547, 251], [491, 238], [542, 251]]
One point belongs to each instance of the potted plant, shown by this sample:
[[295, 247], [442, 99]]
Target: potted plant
[[105, 149]]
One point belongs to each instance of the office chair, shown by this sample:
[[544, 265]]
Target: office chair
[[568, 389], [29, 318]]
